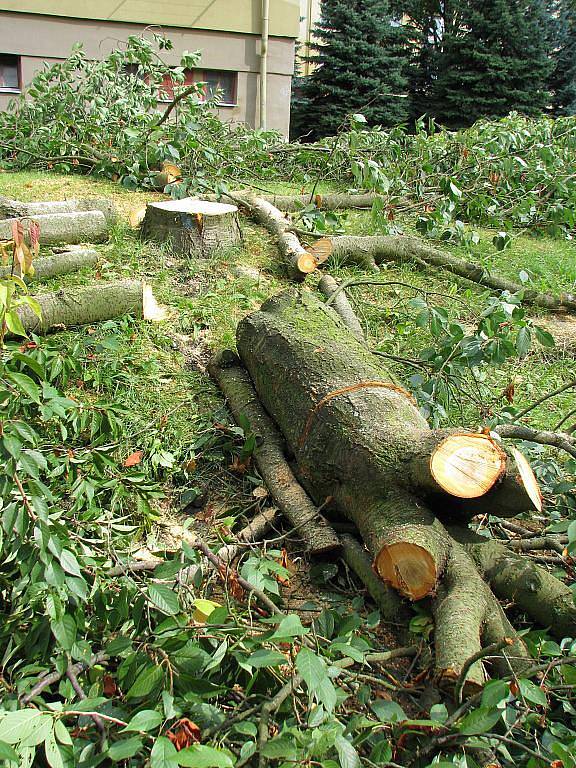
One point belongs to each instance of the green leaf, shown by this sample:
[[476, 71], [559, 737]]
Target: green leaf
[[523, 341], [266, 658], [16, 726], [69, 563], [347, 755], [494, 692], [531, 692], [53, 753], [315, 674], [289, 627], [202, 756], [388, 711], [149, 679], [122, 750], [64, 630], [7, 752], [544, 337], [164, 598], [480, 720], [146, 720], [164, 754], [32, 462], [14, 324], [26, 384]]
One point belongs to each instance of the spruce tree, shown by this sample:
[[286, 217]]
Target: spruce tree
[[562, 81], [493, 59], [360, 66]]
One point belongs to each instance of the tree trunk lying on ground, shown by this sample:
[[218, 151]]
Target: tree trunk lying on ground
[[333, 201], [372, 250], [193, 227], [58, 264], [360, 443], [64, 228], [93, 304], [16, 209], [298, 260]]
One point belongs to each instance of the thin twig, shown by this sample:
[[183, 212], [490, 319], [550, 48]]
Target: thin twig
[[99, 723], [490, 650]]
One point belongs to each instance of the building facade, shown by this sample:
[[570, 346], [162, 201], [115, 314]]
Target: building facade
[[227, 32], [310, 12]]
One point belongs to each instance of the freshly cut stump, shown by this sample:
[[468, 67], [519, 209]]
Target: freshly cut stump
[[193, 227]]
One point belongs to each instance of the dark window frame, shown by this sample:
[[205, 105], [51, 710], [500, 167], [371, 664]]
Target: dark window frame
[[18, 61], [202, 78]]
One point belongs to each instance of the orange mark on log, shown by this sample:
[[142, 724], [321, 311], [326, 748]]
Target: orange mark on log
[[347, 390]]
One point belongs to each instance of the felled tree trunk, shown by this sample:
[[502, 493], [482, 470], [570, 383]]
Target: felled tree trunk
[[58, 264], [64, 228], [333, 201], [359, 440], [93, 304], [193, 227], [15, 209], [372, 251]]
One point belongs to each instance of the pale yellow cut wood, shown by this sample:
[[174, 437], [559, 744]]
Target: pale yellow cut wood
[[528, 478], [151, 310], [467, 465], [321, 250], [306, 263], [408, 568]]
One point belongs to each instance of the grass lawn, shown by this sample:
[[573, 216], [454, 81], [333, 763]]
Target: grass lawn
[[157, 371]]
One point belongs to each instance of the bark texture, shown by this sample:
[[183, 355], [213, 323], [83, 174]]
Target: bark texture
[[369, 251], [193, 228], [359, 440], [65, 228], [328, 202], [294, 503], [82, 306], [58, 264], [16, 209], [298, 260]]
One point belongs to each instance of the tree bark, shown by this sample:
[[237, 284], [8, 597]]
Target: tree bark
[[16, 209], [65, 228], [294, 503], [360, 440], [299, 261], [194, 228], [375, 250], [83, 306], [325, 202], [58, 264]]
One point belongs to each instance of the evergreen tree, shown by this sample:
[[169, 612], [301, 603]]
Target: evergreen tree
[[562, 81], [361, 62], [493, 59]]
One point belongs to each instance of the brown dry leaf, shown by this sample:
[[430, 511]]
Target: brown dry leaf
[[260, 492], [133, 459], [240, 467], [109, 687], [509, 392], [318, 201], [189, 466], [184, 733]]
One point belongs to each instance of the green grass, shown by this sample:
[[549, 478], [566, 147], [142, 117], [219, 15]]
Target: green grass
[[163, 383]]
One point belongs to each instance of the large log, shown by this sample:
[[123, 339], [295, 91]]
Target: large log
[[332, 201], [58, 264], [193, 227], [359, 439], [64, 228], [16, 209], [93, 304]]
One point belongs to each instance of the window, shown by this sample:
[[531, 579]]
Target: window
[[9, 73], [219, 84], [166, 91]]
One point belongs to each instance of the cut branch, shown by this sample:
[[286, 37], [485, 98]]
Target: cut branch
[[377, 249], [65, 228], [93, 304], [554, 439], [58, 264], [16, 209]]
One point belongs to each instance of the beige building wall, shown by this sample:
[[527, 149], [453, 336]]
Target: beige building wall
[[309, 17], [40, 39]]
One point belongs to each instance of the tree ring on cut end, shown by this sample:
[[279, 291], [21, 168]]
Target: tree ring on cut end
[[467, 465], [408, 568]]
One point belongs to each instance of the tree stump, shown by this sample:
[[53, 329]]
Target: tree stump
[[193, 227]]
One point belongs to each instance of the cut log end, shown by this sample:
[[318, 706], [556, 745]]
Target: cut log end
[[527, 478], [321, 250], [408, 568], [467, 465], [151, 310], [306, 263]]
